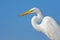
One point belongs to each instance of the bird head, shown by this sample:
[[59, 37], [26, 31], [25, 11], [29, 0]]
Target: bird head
[[33, 10]]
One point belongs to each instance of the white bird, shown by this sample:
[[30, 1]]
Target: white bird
[[48, 25]]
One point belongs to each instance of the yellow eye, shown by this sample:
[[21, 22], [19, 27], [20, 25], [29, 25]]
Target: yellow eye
[[31, 10]]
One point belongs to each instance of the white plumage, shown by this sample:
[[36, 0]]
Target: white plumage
[[48, 25]]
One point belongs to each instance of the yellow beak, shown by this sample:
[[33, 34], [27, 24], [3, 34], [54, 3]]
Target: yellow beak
[[25, 13]]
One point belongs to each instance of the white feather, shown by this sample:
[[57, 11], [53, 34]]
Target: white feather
[[48, 26]]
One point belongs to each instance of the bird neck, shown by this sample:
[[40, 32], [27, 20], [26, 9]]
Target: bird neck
[[36, 19], [39, 16]]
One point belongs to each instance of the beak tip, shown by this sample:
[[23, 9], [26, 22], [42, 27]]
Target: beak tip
[[20, 15]]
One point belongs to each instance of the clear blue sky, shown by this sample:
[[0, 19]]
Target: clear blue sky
[[13, 27]]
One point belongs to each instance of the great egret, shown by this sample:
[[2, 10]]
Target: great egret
[[48, 26]]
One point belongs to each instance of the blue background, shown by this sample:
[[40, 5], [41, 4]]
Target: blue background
[[14, 27]]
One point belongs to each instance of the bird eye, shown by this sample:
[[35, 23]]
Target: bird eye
[[31, 10]]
